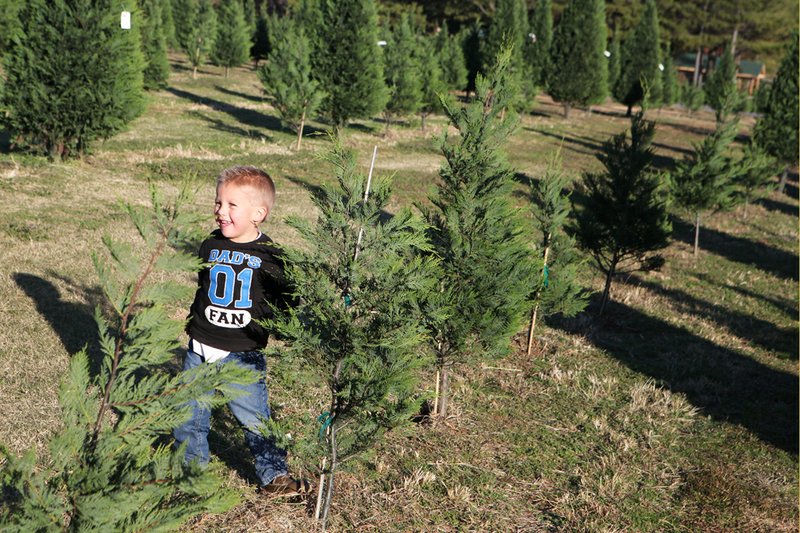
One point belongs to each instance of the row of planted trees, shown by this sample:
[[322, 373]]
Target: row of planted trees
[[381, 298]]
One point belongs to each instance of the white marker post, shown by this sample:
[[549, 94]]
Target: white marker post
[[366, 197]]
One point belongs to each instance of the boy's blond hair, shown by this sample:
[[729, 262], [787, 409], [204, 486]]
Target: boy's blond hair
[[253, 177]]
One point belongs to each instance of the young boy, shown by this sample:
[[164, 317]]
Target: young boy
[[245, 273]]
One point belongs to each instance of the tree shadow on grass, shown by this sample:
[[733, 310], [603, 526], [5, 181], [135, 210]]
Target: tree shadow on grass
[[722, 383], [174, 65], [781, 342], [221, 125], [244, 96], [5, 141], [73, 322], [780, 207], [787, 306], [247, 117], [762, 256]]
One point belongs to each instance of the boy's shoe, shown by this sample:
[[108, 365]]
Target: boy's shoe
[[288, 486]]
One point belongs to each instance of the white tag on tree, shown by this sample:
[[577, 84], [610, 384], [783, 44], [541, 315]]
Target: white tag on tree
[[125, 20]]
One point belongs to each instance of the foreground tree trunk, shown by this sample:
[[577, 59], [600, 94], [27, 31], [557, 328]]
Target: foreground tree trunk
[[784, 176], [444, 389], [607, 288], [300, 131], [566, 110]]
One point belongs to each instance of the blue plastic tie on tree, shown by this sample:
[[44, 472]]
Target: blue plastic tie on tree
[[546, 276], [347, 300], [325, 419]]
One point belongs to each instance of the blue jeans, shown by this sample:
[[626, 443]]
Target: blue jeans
[[249, 409]]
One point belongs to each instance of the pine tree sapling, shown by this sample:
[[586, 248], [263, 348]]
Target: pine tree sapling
[[703, 181], [350, 61], [625, 220], [488, 266], [720, 89], [199, 40], [755, 174], [641, 60], [71, 78], [232, 42], [578, 67], [358, 326], [111, 468], [537, 45], [777, 130], [402, 58], [154, 44], [184, 12], [507, 28], [451, 60], [287, 76], [557, 291], [669, 80], [430, 74]]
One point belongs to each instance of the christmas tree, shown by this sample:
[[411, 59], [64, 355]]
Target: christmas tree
[[430, 74], [287, 76], [199, 41], [488, 267], [154, 44], [614, 62], [669, 80], [755, 175], [537, 46], [402, 72], [557, 291], [720, 89], [624, 221], [112, 467], [777, 130], [508, 27], [641, 61], [451, 60], [184, 12], [703, 181], [579, 69], [72, 77], [232, 42], [359, 326], [351, 62]]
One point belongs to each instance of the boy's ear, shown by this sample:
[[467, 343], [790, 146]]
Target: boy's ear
[[263, 213]]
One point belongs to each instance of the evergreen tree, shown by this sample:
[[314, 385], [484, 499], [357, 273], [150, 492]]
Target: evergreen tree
[[308, 14], [488, 268], [431, 77], [579, 69], [402, 72], [168, 24], [471, 46], [640, 62], [262, 44], [537, 48], [451, 60], [507, 28], [250, 16], [72, 78], [111, 467], [614, 63], [625, 218], [557, 291], [232, 42], [669, 80], [287, 76], [720, 89], [154, 45], [9, 22], [359, 327], [184, 12], [691, 97], [351, 61], [754, 177], [703, 181], [777, 130], [200, 40]]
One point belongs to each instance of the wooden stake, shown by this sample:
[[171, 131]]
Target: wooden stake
[[319, 490], [536, 307], [436, 396]]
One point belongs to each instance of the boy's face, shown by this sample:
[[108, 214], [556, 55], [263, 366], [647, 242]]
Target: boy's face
[[237, 210]]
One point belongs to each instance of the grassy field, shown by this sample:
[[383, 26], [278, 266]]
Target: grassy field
[[677, 411]]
